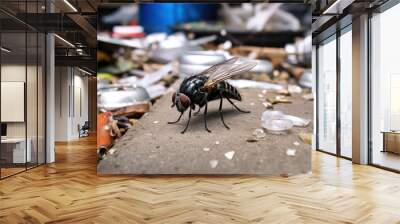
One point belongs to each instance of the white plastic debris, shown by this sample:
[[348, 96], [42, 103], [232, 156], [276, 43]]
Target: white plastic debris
[[308, 96], [155, 91], [274, 114], [229, 155], [291, 152], [206, 149], [111, 151], [213, 163], [156, 76], [267, 105], [294, 89], [296, 143], [244, 83], [278, 125], [298, 121], [259, 133]]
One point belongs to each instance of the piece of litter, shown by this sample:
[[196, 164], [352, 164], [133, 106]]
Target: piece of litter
[[259, 133], [213, 163], [251, 139], [206, 149], [291, 152], [305, 137], [309, 97], [278, 99], [296, 143], [268, 105], [277, 126], [229, 155], [111, 151], [294, 89], [283, 92], [217, 142], [155, 122]]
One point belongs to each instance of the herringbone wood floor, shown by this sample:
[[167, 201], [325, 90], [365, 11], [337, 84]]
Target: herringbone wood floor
[[69, 191]]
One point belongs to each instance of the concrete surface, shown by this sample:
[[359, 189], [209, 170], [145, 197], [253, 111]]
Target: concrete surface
[[155, 147]]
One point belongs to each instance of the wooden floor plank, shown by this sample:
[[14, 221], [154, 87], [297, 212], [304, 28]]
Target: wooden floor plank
[[70, 191]]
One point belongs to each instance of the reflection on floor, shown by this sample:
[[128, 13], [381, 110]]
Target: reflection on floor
[[12, 169], [70, 191], [387, 159]]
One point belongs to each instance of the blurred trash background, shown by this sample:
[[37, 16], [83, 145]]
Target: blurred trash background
[[144, 49]]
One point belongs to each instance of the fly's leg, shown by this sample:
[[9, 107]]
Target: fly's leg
[[220, 112], [187, 124], [237, 108], [205, 117], [173, 122], [197, 112]]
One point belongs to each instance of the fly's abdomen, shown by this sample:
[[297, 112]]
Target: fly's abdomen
[[229, 91]]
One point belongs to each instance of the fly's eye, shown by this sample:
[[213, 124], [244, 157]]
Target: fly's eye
[[185, 101]]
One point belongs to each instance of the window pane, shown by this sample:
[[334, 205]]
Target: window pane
[[346, 94], [385, 84], [327, 97], [14, 153]]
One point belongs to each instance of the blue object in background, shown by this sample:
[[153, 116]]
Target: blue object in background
[[161, 17]]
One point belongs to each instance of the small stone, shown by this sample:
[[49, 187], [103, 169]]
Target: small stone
[[155, 122], [111, 151], [229, 155], [264, 91], [259, 133], [217, 142], [252, 104], [268, 105], [296, 143], [291, 152], [206, 149], [260, 95], [214, 163], [284, 175]]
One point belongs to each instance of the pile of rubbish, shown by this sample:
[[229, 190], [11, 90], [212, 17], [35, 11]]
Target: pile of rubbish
[[133, 73]]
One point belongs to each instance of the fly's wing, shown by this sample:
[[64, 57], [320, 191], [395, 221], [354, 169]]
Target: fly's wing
[[216, 67], [226, 70]]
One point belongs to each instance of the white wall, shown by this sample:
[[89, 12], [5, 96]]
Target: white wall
[[71, 102]]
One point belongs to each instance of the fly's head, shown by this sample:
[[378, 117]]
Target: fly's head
[[181, 101]]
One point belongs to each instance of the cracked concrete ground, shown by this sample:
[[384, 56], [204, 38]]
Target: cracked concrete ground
[[155, 147]]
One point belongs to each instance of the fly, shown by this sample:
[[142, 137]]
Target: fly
[[210, 85]]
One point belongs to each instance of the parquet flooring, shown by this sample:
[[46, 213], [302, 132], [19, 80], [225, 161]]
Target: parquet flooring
[[70, 191]]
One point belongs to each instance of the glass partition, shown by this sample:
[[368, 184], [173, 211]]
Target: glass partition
[[346, 92], [22, 77], [14, 153], [327, 96], [385, 89]]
